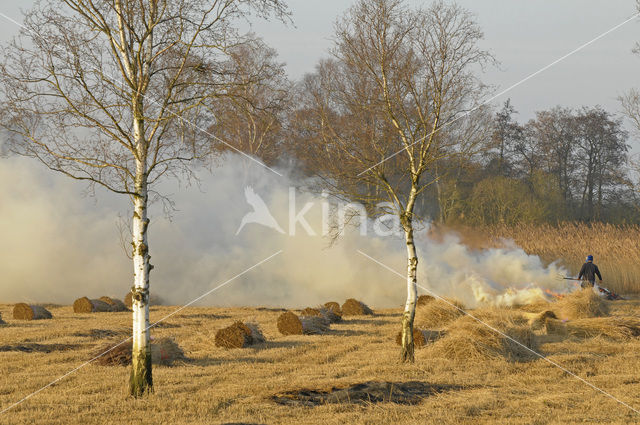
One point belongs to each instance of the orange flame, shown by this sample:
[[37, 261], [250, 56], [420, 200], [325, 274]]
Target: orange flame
[[556, 295]]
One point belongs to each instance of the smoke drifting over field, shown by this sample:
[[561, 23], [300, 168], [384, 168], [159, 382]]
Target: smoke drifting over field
[[58, 245]]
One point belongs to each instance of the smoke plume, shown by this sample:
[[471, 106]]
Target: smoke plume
[[58, 245]]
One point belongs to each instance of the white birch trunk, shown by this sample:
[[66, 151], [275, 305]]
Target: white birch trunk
[[412, 279], [141, 381], [407, 354]]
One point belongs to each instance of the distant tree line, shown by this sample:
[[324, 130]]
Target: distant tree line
[[563, 165], [487, 168]]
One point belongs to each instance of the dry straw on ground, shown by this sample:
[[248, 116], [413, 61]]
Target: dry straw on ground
[[239, 335], [22, 311], [241, 383], [613, 328], [421, 337], [85, 305], [538, 320], [353, 307], [290, 324], [581, 304], [164, 351], [438, 313], [468, 340]]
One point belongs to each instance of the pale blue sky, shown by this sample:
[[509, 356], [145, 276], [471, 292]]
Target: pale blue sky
[[524, 36]]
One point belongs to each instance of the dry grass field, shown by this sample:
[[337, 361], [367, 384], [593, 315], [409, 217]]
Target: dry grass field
[[616, 247], [219, 386]]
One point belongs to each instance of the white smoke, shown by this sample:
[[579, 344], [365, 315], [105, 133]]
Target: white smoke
[[58, 245], [497, 276]]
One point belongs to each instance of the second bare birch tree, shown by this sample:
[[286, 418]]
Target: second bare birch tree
[[372, 119]]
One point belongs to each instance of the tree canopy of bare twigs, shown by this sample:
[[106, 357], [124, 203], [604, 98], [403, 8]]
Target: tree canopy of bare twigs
[[252, 118]]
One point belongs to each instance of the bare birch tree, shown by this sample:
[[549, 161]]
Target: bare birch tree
[[370, 120], [252, 119], [113, 92]]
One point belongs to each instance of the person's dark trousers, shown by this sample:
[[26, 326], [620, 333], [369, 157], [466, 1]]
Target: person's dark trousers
[[588, 284]]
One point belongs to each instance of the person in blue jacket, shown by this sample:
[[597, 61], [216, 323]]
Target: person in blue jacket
[[588, 273]]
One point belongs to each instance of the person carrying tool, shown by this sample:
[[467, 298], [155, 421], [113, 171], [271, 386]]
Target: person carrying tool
[[588, 273]]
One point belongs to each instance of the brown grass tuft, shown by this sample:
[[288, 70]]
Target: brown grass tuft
[[116, 304], [2, 322], [235, 336], [334, 307], [581, 304], [424, 300], [290, 324], [353, 307], [22, 311], [538, 320], [323, 312], [239, 335], [421, 337], [314, 325], [438, 313], [468, 340], [85, 305], [256, 333], [118, 356], [309, 311], [165, 351]]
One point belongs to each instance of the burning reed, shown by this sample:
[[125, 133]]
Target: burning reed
[[616, 248], [22, 311], [581, 304]]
